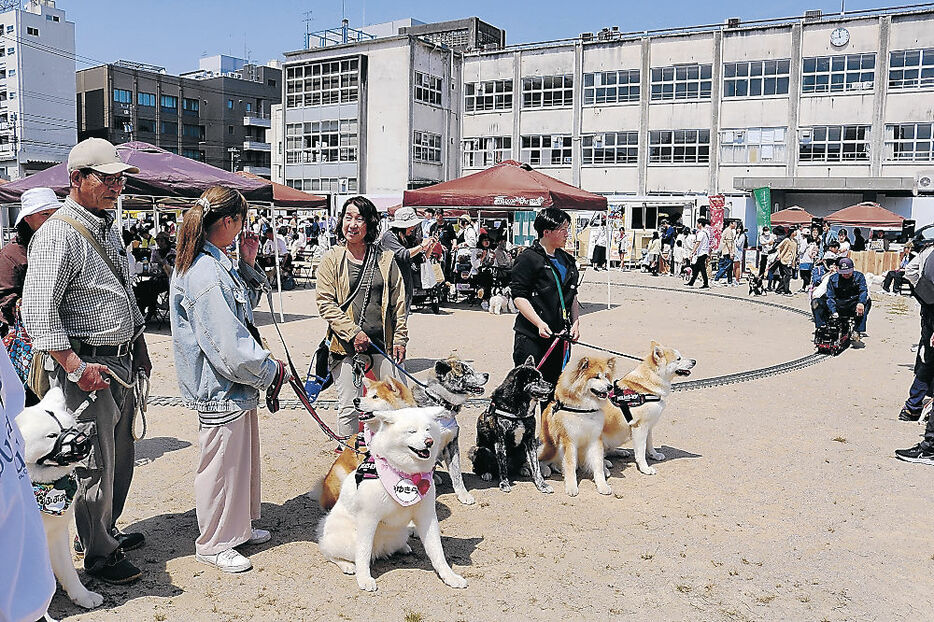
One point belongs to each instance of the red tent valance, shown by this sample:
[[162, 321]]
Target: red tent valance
[[866, 214]]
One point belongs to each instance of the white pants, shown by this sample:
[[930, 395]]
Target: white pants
[[342, 370]]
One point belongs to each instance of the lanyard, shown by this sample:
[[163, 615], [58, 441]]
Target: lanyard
[[564, 311]]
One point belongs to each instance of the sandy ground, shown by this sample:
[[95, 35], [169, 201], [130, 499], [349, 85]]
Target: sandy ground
[[781, 498]]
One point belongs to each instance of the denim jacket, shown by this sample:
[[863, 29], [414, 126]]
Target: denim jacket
[[220, 366]]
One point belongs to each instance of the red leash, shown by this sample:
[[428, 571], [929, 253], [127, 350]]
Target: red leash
[[549, 351]]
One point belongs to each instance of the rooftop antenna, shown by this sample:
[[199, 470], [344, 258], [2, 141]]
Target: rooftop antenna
[[307, 21], [842, 7]]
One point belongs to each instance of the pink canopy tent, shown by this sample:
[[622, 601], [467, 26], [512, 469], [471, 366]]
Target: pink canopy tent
[[793, 215], [507, 186], [866, 214]]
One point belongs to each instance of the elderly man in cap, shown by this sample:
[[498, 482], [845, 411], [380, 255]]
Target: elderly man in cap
[[78, 306], [848, 296], [401, 240]]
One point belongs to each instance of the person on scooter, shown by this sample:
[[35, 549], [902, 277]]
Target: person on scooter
[[848, 296]]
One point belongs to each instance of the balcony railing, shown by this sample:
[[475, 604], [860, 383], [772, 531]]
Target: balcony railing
[[257, 119], [251, 145]]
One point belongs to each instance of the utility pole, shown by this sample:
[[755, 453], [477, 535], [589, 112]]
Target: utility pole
[[234, 154]]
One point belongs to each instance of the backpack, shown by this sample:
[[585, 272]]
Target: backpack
[[924, 290]]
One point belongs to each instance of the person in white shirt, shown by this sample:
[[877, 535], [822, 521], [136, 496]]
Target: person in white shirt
[[844, 243], [624, 247], [700, 252], [766, 243]]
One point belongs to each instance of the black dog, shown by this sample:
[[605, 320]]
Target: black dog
[[755, 285], [506, 430]]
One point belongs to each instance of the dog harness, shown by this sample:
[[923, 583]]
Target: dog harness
[[627, 399], [559, 405], [56, 497], [405, 488]]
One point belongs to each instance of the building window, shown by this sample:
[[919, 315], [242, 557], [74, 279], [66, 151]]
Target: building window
[[679, 146], [426, 147], [427, 88], [756, 78], [681, 82], [548, 150], [229, 104], [146, 99], [321, 141], [9, 29], [488, 95], [169, 103], [193, 131], [170, 148], [10, 51], [146, 125], [190, 104], [838, 74], [230, 129], [123, 97], [248, 107], [911, 69], [340, 185], [11, 73], [909, 142], [193, 154], [52, 18], [32, 31], [270, 82], [169, 127], [321, 83], [644, 217], [547, 91], [487, 151], [611, 87], [610, 148], [752, 145], [834, 143]]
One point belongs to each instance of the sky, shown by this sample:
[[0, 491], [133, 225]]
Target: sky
[[174, 34]]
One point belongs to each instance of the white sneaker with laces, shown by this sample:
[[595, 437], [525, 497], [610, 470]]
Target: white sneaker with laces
[[259, 536], [226, 561]]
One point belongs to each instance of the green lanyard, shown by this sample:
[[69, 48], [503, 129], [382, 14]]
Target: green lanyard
[[564, 311]]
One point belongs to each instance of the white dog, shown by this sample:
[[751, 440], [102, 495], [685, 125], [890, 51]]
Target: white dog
[[388, 491], [501, 301], [54, 444]]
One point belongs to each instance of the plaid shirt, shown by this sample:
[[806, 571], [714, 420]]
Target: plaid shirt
[[70, 291]]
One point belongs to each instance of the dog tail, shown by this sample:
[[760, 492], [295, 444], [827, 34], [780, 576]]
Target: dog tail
[[315, 493], [547, 449]]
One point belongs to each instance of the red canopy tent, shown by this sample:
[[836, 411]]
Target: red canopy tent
[[286, 196], [866, 214], [793, 215], [507, 186]]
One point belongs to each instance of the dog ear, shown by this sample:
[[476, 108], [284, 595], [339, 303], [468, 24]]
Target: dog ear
[[435, 412], [611, 364], [657, 352], [442, 367], [530, 361], [385, 417], [582, 365], [54, 398]]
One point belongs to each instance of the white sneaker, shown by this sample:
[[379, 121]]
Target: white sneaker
[[259, 536], [226, 561]]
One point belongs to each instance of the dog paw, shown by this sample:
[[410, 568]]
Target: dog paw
[[455, 581], [607, 463], [604, 490], [346, 567], [367, 584], [571, 489], [525, 472], [466, 498], [486, 477], [505, 486], [606, 472], [648, 470], [656, 455], [405, 550], [546, 488], [546, 470], [87, 599]]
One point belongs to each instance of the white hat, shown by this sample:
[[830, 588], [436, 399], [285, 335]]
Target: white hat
[[404, 218], [829, 255], [99, 155], [36, 200]]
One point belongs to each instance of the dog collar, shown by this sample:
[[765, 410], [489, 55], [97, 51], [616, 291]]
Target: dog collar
[[508, 415], [454, 408], [56, 497], [559, 405], [404, 488]]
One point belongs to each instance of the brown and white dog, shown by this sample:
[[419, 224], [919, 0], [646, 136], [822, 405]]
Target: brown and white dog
[[652, 379], [389, 394], [572, 424]]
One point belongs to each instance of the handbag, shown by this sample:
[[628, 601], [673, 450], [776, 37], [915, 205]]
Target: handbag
[[319, 373], [19, 345]]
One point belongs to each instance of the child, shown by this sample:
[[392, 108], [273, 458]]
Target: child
[[680, 261]]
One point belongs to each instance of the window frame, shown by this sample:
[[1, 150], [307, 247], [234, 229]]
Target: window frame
[[484, 151], [623, 153], [325, 141], [610, 81], [730, 144], [163, 98], [665, 83], [824, 135], [426, 147], [142, 97], [541, 93], [529, 144], [428, 88], [323, 83], [756, 72], [657, 148], [830, 74], [893, 143], [122, 92], [925, 65], [489, 96]]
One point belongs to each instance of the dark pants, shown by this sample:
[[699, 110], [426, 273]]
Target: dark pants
[[725, 268], [893, 279], [785, 272], [847, 308], [599, 257], [699, 267], [805, 277], [924, 372], [147, 292], [821, 314], [525, 346], [763, 263], [105, 482]]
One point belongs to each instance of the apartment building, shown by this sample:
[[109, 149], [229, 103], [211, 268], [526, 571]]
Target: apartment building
[[37, 103], [218, 114], [376, 110], [826, 110]]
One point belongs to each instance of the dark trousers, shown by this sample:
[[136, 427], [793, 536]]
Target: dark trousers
[[536, 347], [924, 372], [805, 277], [599, 257], [893, 280], [105, 482], [785, 272], [725, 268], [847, 308], [821, 314], [699, 267]]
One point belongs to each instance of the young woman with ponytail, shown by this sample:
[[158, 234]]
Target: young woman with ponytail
[[221, 369]]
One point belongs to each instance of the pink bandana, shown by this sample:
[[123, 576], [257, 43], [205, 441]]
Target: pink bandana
[[406, 489]]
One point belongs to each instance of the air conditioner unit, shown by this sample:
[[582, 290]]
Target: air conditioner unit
[[598, 140], [557, 142], [804, 137], [924, 181], [343, 183], [733, 22]]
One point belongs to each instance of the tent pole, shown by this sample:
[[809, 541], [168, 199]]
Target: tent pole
[[275, 250], [120, 214], [609, 242]]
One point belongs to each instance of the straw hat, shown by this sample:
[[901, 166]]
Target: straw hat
[[404, 218]]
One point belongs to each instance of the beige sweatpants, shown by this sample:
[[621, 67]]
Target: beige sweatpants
[[227, 484]]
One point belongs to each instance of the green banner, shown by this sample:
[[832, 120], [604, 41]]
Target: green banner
[[763, 198]]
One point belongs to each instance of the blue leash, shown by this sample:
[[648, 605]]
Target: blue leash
[[397, 366]]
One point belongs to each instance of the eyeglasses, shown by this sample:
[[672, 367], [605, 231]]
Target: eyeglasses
[[110, 180]]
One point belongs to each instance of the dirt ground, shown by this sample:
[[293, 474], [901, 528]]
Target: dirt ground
[[780, 498]]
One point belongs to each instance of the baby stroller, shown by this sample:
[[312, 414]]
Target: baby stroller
[[428, 285], [464, 284]]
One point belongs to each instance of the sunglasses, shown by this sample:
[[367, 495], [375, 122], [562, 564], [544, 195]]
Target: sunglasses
[[110, 180]]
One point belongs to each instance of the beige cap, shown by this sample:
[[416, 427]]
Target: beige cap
[[99, 155]]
